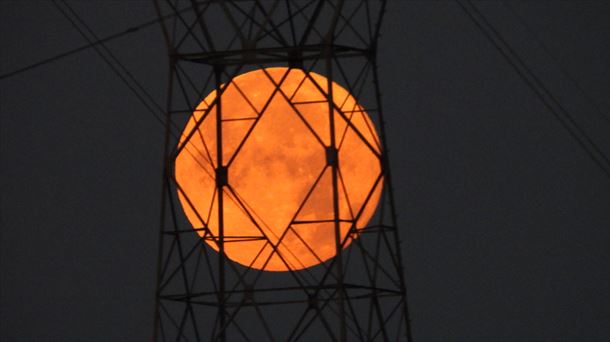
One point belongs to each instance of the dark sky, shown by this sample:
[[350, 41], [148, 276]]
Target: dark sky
[[505, 220]]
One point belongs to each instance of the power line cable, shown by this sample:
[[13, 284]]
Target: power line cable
[[113, 57], [532, 33], [128, 31], [123, 78], [563, 116], [112, 66]]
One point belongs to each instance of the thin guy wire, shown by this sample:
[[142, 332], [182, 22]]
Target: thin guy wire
[[130, 30], [103, 46], [117, 72], [531, 32], [593, 151], [107, 61]]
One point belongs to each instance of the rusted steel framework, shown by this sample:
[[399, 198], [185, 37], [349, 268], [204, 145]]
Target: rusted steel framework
[[359, 295]]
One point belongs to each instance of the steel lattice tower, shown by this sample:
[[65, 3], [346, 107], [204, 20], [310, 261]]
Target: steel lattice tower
[[202, 295]]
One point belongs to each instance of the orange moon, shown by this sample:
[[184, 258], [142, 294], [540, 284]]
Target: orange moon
[[278, 208]]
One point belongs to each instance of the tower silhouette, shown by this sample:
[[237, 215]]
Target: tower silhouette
[[360, 293]]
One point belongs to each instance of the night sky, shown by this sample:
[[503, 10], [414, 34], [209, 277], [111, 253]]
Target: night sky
[[505, 220]]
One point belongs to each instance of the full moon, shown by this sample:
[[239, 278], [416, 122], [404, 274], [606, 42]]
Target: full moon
[[277, 195]]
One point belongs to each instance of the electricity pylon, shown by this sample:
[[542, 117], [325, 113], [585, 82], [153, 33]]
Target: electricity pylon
[[360, 294]]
